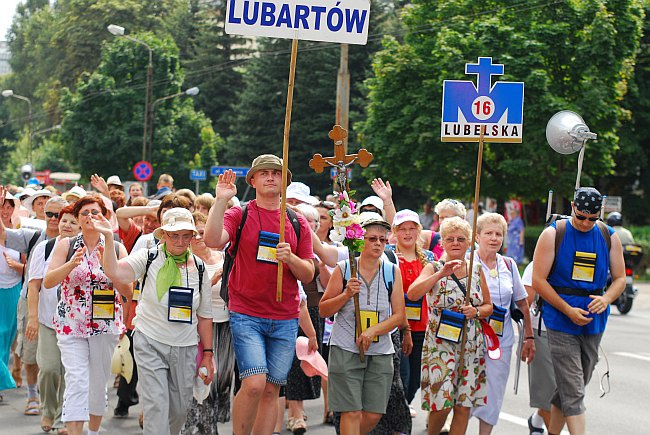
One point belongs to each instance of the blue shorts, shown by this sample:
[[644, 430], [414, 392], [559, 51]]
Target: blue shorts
[[264, 346]]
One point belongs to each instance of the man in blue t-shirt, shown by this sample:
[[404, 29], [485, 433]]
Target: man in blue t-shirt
[[576, 300]]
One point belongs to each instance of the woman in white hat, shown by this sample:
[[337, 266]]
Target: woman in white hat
[[88, 318], [174, 314]]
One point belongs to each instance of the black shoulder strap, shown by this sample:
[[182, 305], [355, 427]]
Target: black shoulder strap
[[295, 223], [48, 247], [32, 243], [151, 256], [391, 255], [560, 230], [201, 268], [72, 241], [460, 285]]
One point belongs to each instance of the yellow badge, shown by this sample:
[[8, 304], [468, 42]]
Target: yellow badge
[[584, 266], [368, 319], [180, 314], [103, 304], [497, 326]]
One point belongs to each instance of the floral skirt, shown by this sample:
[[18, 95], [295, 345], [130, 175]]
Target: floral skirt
[[442, 385]]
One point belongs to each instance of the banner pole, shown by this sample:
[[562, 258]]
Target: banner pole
[[285, 159]]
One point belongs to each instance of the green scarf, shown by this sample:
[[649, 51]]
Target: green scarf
[[169, 275]]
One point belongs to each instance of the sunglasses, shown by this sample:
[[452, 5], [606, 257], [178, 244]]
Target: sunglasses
[[375, 239], [582, 218], [94, 212], [51, 214]]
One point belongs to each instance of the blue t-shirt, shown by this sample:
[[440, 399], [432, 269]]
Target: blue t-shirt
[[582, 263]]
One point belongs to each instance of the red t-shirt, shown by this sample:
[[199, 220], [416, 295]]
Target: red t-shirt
[[130, 236], [410, 271], [252, 284]]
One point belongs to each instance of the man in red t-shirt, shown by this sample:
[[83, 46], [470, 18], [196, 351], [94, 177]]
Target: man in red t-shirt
[[264, 331]]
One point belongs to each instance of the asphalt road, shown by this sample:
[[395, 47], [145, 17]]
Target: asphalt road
[[625, 410]]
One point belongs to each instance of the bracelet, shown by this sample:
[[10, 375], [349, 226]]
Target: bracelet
[[529, 337], [208, 350], [478, 313]]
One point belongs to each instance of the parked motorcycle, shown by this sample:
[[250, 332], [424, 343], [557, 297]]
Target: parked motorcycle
[[632, 253]]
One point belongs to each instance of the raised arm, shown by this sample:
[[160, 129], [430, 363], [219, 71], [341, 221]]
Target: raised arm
[[125, 214], [119, 271], [60, 268], [385, 192], [215, 236]]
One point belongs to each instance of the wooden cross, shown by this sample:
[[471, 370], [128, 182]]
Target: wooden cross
[[340, 160]]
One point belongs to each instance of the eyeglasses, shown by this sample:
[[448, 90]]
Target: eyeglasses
[[94, 212], [455, 239], [51, 214], [176, 237], [375, 239]]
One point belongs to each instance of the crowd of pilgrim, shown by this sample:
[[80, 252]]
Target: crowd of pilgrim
[[106, 281]]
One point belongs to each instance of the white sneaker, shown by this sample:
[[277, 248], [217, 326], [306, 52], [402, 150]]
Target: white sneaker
[[413, 412]]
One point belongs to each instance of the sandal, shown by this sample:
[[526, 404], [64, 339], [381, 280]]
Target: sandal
[[46, 424], [33, 407]]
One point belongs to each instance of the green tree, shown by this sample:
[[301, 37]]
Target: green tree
[[103, 118], [576, 55]]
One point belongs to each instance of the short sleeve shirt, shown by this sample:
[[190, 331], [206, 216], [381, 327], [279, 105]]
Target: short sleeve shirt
[[151, 314], [252, 283]]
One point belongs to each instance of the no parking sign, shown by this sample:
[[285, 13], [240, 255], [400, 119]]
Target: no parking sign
[[142, 171]]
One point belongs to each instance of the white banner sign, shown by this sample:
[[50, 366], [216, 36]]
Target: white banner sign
[[343, 21]]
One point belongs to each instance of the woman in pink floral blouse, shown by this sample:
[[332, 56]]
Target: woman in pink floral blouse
[[88, 320]]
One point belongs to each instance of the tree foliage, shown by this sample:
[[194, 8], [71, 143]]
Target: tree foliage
[[576, 55], [105, 115]]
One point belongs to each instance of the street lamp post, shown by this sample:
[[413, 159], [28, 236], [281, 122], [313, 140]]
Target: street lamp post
[[10, 93], [148, 110], [191, 92]]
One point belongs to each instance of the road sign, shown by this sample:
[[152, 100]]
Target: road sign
[[466, 107], [198, 174], [342, 21], [238, 170], [334, 172], [142, 171]]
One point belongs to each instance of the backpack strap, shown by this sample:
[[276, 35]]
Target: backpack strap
[[72, 242], [152, 254], [201, 268], [560, 230], [605, 232], [32, 243], [391, 255], [235, 245], [295, 223], [48, 247], [435, 239], [389, 276]]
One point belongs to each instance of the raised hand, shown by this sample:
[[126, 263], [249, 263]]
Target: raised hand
[[102, 225], [77, 257], [226, 187], [99, 183], [3, 194], [381, 189]]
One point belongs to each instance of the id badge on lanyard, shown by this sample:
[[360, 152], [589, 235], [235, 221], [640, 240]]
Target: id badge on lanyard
[[497, 320], [413, 309], [584, 266], [451, 326], [180, 304], [103, 304], [369, 318], [267, 247]]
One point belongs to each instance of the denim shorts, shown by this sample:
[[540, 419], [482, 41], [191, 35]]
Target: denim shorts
[[264, 346]]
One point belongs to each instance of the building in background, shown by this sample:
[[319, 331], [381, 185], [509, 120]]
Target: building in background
[[5, 55]]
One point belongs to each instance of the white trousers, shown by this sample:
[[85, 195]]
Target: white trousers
[[87, 363]]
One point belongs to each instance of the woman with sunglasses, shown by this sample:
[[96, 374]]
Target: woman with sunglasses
[[174, 315], [88, 318], [447, 381], [360, 390], [502, 277]]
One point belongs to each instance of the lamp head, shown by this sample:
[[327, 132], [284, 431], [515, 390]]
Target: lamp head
[[7, 93], [116, 30], [192, 91]]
